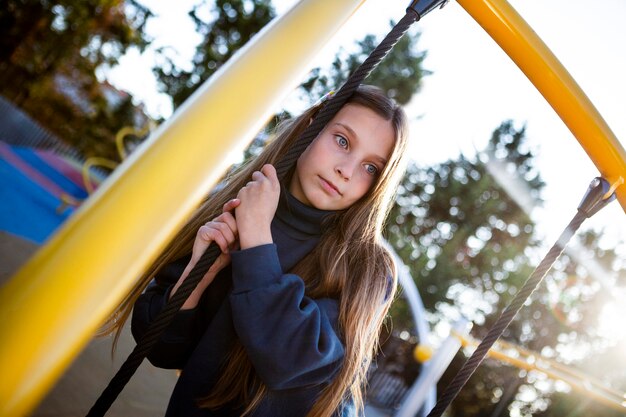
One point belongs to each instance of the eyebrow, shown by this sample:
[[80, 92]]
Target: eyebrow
[[353, 134]]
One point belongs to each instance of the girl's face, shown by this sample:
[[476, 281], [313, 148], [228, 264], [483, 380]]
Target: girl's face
[[344, 161]]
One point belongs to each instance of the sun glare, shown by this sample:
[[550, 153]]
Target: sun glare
[[611, 321]]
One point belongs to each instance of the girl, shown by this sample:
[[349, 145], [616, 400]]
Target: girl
[[286, 321]]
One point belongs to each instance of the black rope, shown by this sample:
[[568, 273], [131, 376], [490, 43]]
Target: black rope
[[143, 347], [592, 202]]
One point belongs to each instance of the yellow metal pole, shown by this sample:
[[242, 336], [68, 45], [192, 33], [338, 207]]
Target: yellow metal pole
[[570, 372], [543, 69], [51, 307], [531, 361]]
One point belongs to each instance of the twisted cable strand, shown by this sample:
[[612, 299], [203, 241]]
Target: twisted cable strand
[[152, 335]]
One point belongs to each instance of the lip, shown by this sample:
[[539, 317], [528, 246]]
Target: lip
[[329, 187]]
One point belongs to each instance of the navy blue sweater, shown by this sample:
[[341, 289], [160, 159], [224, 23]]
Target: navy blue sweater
[[291, 339]]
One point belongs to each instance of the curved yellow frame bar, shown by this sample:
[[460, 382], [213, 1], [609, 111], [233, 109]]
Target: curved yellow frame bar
[[533, 361], [127, 131], [52, 306], [543, 69], [95, 161]]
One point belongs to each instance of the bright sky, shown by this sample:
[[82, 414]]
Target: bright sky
[[474, 86]]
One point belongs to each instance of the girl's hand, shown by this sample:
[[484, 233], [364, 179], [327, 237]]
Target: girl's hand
[[259, 199], [223, 231]]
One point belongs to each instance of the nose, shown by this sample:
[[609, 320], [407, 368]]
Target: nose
[[345, 170]]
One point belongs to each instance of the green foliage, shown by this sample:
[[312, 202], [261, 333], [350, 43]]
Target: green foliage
[[464, 240], [400, 74], [231, 24], [49, 54], [456, 228], [470, 247]]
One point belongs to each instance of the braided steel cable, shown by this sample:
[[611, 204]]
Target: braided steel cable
[[593, 201], [143, 347], [152, 335]]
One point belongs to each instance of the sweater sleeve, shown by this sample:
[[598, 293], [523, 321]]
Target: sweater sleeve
[[173, 348], [291, 339]]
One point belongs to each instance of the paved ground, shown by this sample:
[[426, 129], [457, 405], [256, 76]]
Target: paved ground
[[147, 393]]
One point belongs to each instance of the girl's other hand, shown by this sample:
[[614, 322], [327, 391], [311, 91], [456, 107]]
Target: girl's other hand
[[223, 231], [259, 200]]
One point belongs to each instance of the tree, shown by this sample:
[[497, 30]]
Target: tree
[[470, 247], [49, 55], [229, 26], [400, 74], [455, 226]]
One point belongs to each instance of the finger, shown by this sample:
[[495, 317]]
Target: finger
[[212, 234], [222, 242], [258, 176], [227, 225], [270, 172], [222, 234], [231, 204], [226, 231], [230, 220], [219, 264]]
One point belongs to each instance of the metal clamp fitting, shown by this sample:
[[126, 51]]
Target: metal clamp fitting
[[594, 199], [422, 7]]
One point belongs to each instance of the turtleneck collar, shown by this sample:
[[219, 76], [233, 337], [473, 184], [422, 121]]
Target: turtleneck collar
[[297, 219]]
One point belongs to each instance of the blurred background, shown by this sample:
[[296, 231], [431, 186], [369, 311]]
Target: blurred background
[[494, 175]]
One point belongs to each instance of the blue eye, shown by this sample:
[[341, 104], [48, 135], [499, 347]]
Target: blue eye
[[341, 141], [371, 169]]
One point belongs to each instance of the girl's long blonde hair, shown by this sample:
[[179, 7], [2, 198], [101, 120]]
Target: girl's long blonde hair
[[349, 264]]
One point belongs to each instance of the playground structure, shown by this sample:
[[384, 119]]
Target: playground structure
[[33, 360]]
